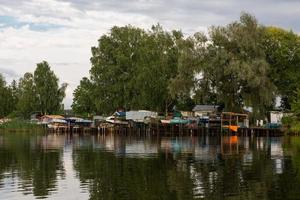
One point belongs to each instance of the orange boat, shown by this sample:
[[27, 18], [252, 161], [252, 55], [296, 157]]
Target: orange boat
[[232, 128]]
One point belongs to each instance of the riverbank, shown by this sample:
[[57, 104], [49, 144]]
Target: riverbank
[[18, 125]]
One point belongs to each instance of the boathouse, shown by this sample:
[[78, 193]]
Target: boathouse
[[205, 110]]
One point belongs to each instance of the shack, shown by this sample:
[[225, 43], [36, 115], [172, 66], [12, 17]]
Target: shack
[[205, 110], [276, 117], [140, 115]]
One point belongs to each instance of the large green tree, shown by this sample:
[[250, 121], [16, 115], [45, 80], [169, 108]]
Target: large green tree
[[49, 94], [131, 69], [282, 50], [39, 92], [230, 66]]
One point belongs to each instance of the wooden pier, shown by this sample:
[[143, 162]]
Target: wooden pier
[[168, 130]]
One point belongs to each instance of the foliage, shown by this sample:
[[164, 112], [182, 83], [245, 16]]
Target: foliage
[[83, 101], [6, 98], [131, 69], [296, 105], [38, 92], [27, 96], [17, 124], [49, 95], [293, 121], [282, 50], [229, 67]]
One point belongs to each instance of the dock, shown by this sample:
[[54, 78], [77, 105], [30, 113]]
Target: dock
[[168, 130]]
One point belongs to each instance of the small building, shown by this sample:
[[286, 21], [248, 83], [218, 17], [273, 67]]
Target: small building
[[205, 110], [276, 117], [97, 120], [187, 114], [140, 115]]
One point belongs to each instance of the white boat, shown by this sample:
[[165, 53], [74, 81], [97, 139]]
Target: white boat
[[113, 120], [57, 123]]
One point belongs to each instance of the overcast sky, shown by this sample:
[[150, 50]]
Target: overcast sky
[[63, 31]]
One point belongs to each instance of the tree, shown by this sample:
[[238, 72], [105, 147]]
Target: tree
[[230, 65], [6, 98], [113, 63], [49, 95], [131, 69], [157, 65], [296, 106], [28, 101], [282, 50], [83, 102]]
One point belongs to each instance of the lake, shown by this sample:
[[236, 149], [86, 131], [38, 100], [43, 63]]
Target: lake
[[38, 166]]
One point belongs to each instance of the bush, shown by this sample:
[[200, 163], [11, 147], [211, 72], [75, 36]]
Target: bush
[[292, 123]]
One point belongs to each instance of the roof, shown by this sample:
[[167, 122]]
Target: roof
[[205, 108], [53, 116]]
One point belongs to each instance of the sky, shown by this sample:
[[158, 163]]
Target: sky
[[62, 32]]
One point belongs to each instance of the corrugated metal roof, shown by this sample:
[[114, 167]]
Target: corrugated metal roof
[[205, 108]]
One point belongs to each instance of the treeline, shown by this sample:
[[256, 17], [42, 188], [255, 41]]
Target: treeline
[[242, 64], [34, 92]]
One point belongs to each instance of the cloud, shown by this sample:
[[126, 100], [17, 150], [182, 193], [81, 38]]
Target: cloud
[[8, 73], [63, 31]]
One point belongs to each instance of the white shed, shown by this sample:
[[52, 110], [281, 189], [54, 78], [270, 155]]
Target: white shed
[[276, 117]]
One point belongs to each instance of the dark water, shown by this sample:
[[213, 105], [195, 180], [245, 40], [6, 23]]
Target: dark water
[[142, 167]]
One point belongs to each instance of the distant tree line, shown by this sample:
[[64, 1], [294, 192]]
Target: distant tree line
[[242, 64], [37, 92]]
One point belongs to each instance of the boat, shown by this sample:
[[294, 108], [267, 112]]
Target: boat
[[165, 121], [178, 120], [114, 120], [57, 123]]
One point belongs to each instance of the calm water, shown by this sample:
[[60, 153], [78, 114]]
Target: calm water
[[36, 166]]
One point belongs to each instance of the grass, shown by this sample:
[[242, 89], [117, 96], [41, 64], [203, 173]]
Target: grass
[[20, 125]]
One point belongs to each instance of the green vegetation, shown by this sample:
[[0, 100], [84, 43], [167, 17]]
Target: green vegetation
[[293, 121], [232, 65], [282, 49], [19, 124], [37, 92], [131, 68], [237, 65], [6, 98]]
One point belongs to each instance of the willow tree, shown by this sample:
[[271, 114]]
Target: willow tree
[[230, 65]]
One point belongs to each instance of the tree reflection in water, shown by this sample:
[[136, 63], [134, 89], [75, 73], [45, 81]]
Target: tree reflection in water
[[144, 167], [23, 157], [185, 168]]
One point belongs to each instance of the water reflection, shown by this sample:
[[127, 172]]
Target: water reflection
[[144, 167], [32, 169]]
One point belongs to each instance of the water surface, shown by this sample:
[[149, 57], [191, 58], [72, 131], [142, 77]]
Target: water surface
[[38, 166]]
